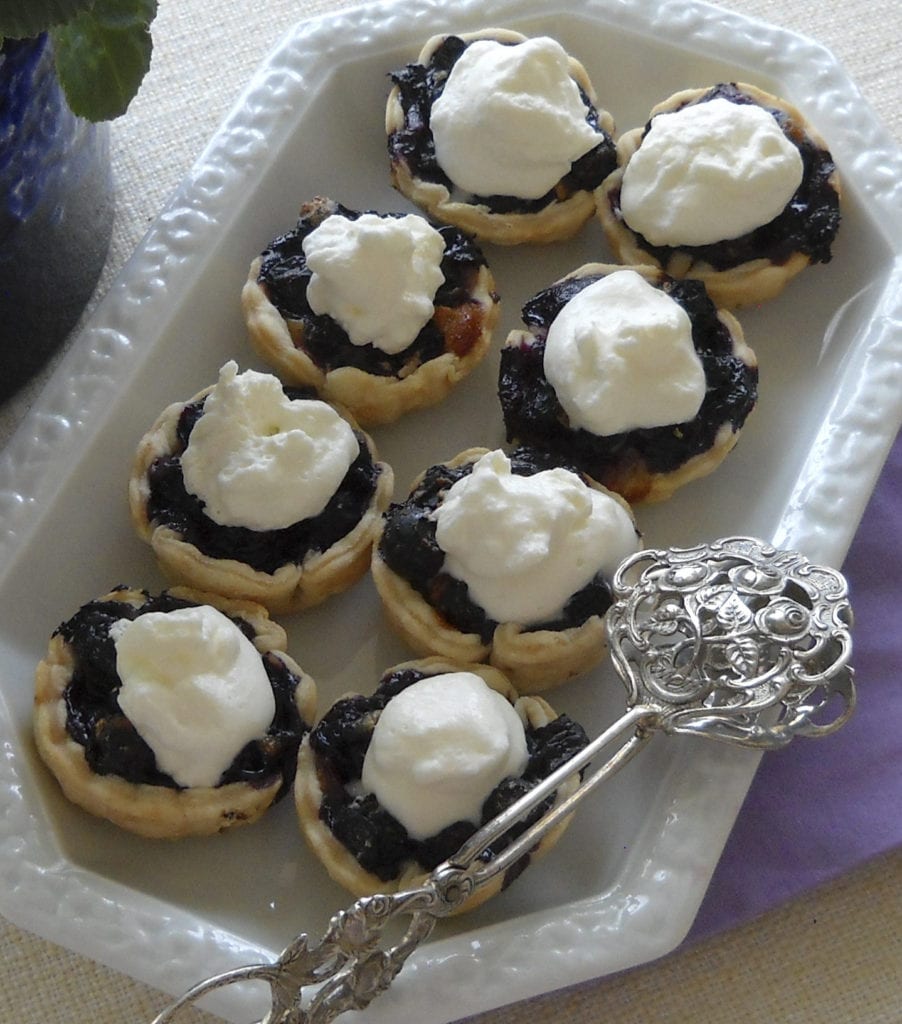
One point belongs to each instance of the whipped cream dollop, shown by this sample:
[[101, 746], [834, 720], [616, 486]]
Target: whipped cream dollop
[[259, 459], [525, 544], [510, 120], [376, 276], [438, 750], [709, 172], [194, 687], [619, 356]]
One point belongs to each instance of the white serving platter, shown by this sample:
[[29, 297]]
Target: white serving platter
[[625, 883]]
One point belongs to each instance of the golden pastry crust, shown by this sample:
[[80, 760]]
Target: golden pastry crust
[[156, 812], [534, 660], [631, 477], [642, 487], [341, 863], [744, 284], [291, 587], [560, 219], [374, 398]]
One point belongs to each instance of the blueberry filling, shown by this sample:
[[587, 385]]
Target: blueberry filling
[[808, 224], [533, 414], [378, 841], [113, 746], [409, 548], [456, 326], [170, 504], [420, 85]]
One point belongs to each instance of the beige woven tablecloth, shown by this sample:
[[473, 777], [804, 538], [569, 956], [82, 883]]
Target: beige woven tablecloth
[[832, 957]]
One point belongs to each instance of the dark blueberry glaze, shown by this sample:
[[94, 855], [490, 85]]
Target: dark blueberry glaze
[[808, 223], [456, 327], [420, 85], [378, 841], [409, 548], [171, 505], [111, 743], [533, 415]]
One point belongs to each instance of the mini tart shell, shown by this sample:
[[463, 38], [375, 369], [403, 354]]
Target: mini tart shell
[[341, 864], [156, 812], [559, 220], [637, 484], [533, 660], [372, 399], [745, 284], [292, 587]]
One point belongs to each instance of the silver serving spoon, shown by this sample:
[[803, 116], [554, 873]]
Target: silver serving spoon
[[735, 640]]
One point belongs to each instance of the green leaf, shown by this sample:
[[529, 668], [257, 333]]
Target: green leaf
[[24, 19], [102, 56]]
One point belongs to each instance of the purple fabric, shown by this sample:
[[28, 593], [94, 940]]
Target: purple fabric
[[817, 808]]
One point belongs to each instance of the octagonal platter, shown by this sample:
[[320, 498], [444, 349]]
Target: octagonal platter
[[624, 885]]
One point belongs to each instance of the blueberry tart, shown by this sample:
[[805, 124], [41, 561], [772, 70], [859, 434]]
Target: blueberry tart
[[730, 185], [256, 491], [499, 134], [506, 560], [172, 715], [390, 785], [382, 313], [634, 377]]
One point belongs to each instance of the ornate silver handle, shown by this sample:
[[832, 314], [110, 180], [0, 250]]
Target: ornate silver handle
[[351, 965], [734, 641], [347, 967]]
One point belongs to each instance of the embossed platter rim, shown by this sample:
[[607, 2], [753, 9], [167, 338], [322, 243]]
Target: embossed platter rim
[[645, 899]]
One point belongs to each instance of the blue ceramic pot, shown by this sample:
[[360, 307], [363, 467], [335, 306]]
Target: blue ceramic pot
[[56, 211]]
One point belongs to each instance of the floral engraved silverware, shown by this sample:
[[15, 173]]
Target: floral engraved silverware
[[735, 640], [711, 637]]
